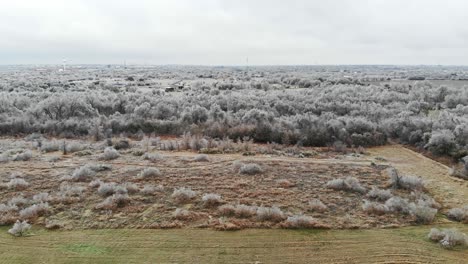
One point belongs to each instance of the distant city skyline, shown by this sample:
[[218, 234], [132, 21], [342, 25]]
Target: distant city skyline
[[210, 32]]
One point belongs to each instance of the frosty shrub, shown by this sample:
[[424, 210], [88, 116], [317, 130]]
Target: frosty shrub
[[74, 147], [227, 210], [106, 189], [20, 228], [211, 200], [250, 169], [25, 156], [423, 213], [83, 173], [448, 238], [459, 214], [17, 184], [316, 205], [149, 173], [374, 208], [41, 197], [379, 194], [67, 190], [398, 204], [273, 214], [182, 214], [245, 211], [34, 211], [441, 142], [95, 183], [153, 157], [113, 202], [300, 221], [201, 158], [130, 187], [50, 146], [18, 201], [151, 190], [405, 182], [5, 209], [110, 154], [183, 195], [348, 184]]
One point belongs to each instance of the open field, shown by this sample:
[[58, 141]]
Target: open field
[[287, 183], [399, 245]]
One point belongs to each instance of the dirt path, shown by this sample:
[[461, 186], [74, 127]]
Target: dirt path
[[448, 190]]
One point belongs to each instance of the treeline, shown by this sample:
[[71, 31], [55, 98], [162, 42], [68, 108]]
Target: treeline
[[421, 114]]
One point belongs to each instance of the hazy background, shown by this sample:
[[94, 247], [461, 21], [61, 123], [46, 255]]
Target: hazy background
[[210, 32]]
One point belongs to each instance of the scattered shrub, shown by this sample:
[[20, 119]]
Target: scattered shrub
[[458, 214], [374, 208], [250, 169], [106, 189], [17, 184], [95, 183], [34, 211], [245, 211], [347, 184], [227, 210], [405, 182], [25, 156], [130, 187], [50, 146], [182, 214], [153, 157], [151, 190], [20, 228], [183, 195], [211, 200], [113, 202], [273, 214], [110, 154], [284, 183], [83, 173], [41, 197], [379, 194], [18, 201], [448, 238], [317, 206], [201, 158], [301, 221], [149, 173], [423, 213]]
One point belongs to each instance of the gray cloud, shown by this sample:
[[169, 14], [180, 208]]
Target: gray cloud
[[226, 32]]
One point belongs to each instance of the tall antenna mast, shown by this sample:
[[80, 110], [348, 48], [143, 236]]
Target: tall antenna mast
[[247, 64], [64, 64]]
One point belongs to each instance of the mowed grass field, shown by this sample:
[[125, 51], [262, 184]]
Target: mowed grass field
[[398, 245]]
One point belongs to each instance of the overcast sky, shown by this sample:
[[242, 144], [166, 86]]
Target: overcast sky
[[225, 32]]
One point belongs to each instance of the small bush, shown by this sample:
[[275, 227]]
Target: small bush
[[201, 158], [67, 190], [149, 173], [17, 184], [284, 183], [374, 208], [153, 157], [250, 169], [301, 221], [423, 213], [448, 238], [74, 147], [20, 228], [273, 214], [317, 206], [122, 144], [34, 211], [113, 202], [245, 211], [227, 210], [398, 204], [183, 195], [237, 165], [95, 183], [25, 156], [83, 173], [41, 197], [18, 201], [130, 187], [347, 184], [110, 154], [151, 190], [107, 189], [405, 182], [50, 146], [182, 214], [458, 214], [211, 200], [379, 194]]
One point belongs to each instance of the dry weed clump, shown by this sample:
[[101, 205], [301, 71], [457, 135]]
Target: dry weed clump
[[448, 238], [183, 195], [348, 184]]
